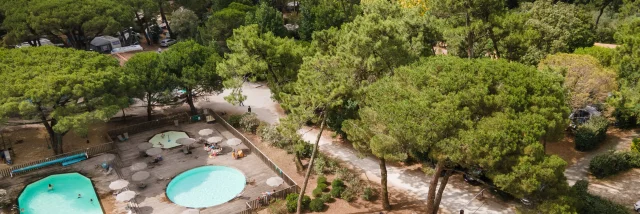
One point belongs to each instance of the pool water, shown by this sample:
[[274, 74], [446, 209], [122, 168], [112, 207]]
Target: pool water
[[168, 140], [63, 199], [206, 186]]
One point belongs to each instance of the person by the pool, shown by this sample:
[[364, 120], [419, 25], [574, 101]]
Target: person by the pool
[[79, 196], [50, 187], [267, 193]]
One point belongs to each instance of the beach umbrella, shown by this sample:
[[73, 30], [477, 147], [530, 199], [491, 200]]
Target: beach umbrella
[[118, 184], [154, 151], [214, 139], [106, 158], [186, 141], [125, 196], [234, 142], [191, 211], [275, 181], [144, 146], [138, 166], [140, 176], [205, 132]]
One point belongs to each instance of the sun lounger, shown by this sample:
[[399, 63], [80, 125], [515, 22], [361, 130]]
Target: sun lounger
[[210, 119]]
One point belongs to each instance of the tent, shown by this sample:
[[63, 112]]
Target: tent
[[104, 44]]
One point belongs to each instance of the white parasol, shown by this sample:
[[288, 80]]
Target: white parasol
[[214, 139], [138, 166], [275, 181], [234, 142], [185, 141], [126, 196], [205, 132], [106, 158], [118, 184], [154, 151], [144, 146], [140, 176], [191, 211]]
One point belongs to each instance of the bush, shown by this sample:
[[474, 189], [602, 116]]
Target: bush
[[590, 134], [278, 207], [337, 183], [319, 165], [292, 202], [368, 194], [604, 55], [317, 192], [611, 163], [321, 180], [303, 149], [322, 186], [326, 197], [587, 203], [316, 205], [250, 122], [349, 194], [272, 135], [635, 145], [336, 191], [234, 120], [625, 118]]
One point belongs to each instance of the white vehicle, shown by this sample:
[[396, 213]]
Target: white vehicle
[[636, 206], [167, 42]]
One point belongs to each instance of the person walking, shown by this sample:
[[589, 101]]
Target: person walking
[[249, 109]]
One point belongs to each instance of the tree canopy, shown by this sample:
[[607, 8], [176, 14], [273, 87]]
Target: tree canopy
[[147, 81], [64, 89], [185, 23]]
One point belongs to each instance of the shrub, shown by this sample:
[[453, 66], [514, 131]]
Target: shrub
[[610, 163], [272, 135], [336, 191], [604, 55], [250, 122], [321, 180], [635, 145], [625, 118], [317, 192], [349, 194], [337, 183], [316, 205], [587, 203], [234, 120], [278, 207], [303, 149], [326, 197], [319, 164], [322, 186], [590, 134], [368, 194], [292, 202]]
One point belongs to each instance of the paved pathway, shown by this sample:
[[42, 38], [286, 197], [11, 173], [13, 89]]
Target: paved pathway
[[416, 183]]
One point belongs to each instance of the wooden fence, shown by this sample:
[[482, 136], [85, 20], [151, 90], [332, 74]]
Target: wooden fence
[[91, 151], [263, 201], [182, 117]]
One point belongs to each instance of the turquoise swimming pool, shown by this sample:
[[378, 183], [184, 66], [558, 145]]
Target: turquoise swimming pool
[[36, 198], [206, 186]]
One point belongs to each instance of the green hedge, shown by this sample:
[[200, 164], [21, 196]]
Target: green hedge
[[587, 203], [292, 202], [234, 120], [590, 134], [316, 205], [611, 163]]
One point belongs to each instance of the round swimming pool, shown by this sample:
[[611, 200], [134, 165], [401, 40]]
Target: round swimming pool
[[205, 186], [63, 198]]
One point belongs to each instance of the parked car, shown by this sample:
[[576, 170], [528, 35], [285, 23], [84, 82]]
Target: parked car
[[636, 207], [167, 42]]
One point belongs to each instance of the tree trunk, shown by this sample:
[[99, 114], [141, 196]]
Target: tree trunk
[[604, 5], [432, 188], [190, 102], [124, 116], [141, 23], [149, 107], [298, 162], [383, 182], [443, 185], [164, 19], [495, 42], [310, 167]]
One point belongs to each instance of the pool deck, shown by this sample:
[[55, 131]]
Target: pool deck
[[152, 199]]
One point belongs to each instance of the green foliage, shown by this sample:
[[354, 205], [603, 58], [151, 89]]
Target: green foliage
[[321, 180], [337, 183], [635, 145], [219, 26], [303, 149], [268, 19], [222, 4], [317, 192], [627, 60], [278, 207], [79, 21], [586, 203], [611, 163], [260, 55], [337, 191], [292, 202], [323, 14], [368, 194], [147, 82], [272, 135], [322, 186], [349, 194], [590, 134], [586, 81], [250, 122], [184, 23], [604, 55], [234, 120], [316, 205], [326, 197], [64, 89]]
